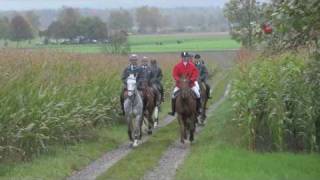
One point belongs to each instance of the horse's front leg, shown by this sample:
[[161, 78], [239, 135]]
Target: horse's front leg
[[181, 124], [130, 128], [192, 128], [137, 130], [156, 116], [150, 123]]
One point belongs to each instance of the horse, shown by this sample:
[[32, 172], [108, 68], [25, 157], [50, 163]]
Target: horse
[[186, 107], [204, 101], [133, 108], [149, 101]]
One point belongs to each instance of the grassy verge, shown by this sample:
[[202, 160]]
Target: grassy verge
[[62, 161], [219, 155]]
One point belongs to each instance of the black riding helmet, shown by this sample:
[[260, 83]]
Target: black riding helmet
[[197, 56], [185, 56]]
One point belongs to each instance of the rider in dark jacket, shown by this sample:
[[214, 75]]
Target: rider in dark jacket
[[133, 68], [203, 73], [145, 72], [156, 77]]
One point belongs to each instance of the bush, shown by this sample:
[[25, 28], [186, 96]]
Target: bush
[[274, 103]]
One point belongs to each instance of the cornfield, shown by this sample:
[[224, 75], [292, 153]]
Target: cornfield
[[49, 98], [276, 102]]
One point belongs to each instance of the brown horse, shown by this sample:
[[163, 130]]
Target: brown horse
[[204, 101], [186, 108], [149, 102]]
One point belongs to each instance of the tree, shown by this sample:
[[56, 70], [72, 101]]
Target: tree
[[69, 19], [93, 28], [120, 20], [55, 30], [20, 29], [243, 16], [149, 19], [296, 23], [118, 43], [33, 20], [4, 29]]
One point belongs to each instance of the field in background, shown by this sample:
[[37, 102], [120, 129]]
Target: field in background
[[151, 43]]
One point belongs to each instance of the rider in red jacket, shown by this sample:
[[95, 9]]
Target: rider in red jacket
[[185, 68]]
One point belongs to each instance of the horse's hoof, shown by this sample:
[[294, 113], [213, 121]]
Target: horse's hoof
[[155, 125], [149, 132], [201, 123], [135, 143]]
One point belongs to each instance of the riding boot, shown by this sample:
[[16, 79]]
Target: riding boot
[[122, 104], [208, 91], [161, 92], [173, 107], [198, 105]]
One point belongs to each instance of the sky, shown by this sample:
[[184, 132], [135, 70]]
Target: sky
[[103, 4]]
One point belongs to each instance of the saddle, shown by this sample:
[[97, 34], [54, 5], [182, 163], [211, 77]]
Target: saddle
[[178, 92]]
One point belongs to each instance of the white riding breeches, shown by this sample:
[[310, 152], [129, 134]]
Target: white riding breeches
[[174, 91], [197, 85], [195, 89]]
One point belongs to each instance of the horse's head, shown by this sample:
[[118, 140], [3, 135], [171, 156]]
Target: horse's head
[[131, 85], [184, 87]]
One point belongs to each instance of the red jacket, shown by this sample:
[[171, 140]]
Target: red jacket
[[190, 71]]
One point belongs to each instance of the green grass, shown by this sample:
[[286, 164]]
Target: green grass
[[190, 42], [148, 43], [62, 161], [145, 157], [218, 154]]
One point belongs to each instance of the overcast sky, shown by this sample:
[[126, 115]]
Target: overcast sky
[[102, 4]]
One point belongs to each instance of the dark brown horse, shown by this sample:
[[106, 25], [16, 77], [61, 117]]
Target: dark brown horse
[[204, 101], [149, 102], [186, 108]]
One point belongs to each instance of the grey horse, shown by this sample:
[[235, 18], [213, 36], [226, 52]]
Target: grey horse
[[133, 108]]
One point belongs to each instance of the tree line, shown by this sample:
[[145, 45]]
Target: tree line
[[55, 24]]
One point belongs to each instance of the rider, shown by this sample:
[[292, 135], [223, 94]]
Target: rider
[[204, 75], [156, 77], [185, 68], [145, 75], [132, 68]]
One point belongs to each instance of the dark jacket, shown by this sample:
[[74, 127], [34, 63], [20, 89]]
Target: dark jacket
[[203, 72], [156, 74], [136, 70], [144, 75]]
